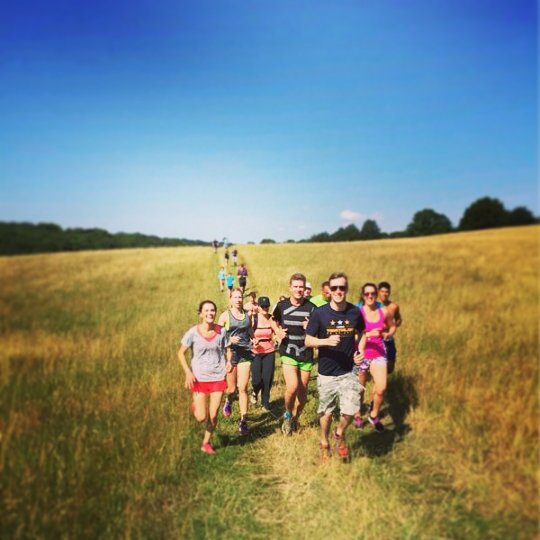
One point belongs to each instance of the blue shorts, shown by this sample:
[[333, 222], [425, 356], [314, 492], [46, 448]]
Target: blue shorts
[[366, 363]]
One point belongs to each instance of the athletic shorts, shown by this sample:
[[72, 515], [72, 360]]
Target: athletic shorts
[[241, 355], [366, 363], [391, 354], [304, 366], [207, 387], [344, 388]]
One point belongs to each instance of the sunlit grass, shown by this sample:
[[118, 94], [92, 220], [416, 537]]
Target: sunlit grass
[[96, 438]]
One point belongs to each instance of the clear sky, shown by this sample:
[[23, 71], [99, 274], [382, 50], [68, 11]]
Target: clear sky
[[276, 119]]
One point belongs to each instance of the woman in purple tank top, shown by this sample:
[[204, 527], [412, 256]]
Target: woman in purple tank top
[[379, 326]]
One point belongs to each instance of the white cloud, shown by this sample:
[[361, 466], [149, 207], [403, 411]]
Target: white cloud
[[350, 215]]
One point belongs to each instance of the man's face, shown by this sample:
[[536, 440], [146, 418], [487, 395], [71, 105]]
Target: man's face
[[326, 292], [297, 288], [384, 294], [307, 292], [338, 290]]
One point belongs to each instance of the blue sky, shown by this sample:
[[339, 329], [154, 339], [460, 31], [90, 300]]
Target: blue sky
[[264, 119]]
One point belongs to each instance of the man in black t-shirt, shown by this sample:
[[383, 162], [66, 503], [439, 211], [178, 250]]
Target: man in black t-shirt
[[333, 328], [292, 315]]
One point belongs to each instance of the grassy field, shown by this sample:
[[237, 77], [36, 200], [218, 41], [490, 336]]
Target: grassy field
[[96, 438]]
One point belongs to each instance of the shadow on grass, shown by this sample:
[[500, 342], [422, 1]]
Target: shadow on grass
[[261, 423], [400, 398]]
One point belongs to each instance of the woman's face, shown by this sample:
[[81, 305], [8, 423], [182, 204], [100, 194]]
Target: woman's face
[[236, 299], [370, 295], [208, 313]]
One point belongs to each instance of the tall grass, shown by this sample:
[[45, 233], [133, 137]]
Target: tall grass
[[96, 439]]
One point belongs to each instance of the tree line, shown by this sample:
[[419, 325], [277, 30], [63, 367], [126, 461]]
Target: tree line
[[26, 238], [484, 213]]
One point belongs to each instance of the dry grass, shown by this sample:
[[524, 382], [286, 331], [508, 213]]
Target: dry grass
[[96, 440]]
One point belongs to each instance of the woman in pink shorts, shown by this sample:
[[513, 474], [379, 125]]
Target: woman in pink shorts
[[211, 357], [379, 326]]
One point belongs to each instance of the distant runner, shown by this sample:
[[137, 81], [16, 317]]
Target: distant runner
[[307, 290], [215, 244], [393, 312], [235, 256], [323, 298], [262, 368], [230, 282], [242, 277], [379, 326], [221, 279], [292, 315], [240, 334], [211, 356], [226, 258], [332, 328]]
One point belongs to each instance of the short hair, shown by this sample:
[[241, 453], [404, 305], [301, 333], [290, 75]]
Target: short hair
[[201, 305], [369, 284], [297, 277], [337, 275], [325, 284], [253, 294], [384, 285]]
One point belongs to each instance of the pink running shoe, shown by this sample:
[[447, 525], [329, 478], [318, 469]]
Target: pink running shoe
[[358, 422], [207, 448]]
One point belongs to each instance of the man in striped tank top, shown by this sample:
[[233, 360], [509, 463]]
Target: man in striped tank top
[[292, 315]]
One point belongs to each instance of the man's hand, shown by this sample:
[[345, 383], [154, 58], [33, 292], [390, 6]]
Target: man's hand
[[235, 339], [333, 341], [358, 357], [228, 366], [305, 323]]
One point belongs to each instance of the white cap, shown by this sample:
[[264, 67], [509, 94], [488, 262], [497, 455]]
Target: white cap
[[308, 285]]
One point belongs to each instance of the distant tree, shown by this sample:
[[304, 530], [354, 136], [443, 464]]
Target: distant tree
[[345, 234], [520, 216], [290, 241], [370, 230], [320, 237], [267, 241], [484, 213], [426, 222]]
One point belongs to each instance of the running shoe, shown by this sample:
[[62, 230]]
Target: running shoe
[[243, 427], [358, 422], [253, 398], [324, 453], [341, 446], [286, 426], [227, 409], [207, 448], [376, 423]]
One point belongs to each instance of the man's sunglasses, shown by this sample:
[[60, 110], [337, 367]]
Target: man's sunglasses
[[341, 288]]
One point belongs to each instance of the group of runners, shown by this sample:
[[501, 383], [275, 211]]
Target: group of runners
[[353, 342]]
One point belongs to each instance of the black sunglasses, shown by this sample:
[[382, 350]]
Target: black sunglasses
[[341, 288]]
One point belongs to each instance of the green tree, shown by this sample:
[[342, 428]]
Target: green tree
[[267, 241], [426, 222], [346, 234], [521, 216], [484, 213], [370, 230]]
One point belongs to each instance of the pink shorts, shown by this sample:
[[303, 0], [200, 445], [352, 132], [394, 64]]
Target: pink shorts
[[209, 386]]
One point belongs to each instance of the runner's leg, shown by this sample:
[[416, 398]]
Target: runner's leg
[[292, 381], [244, 370], [268, 367], [213, 407], [379, 374]]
